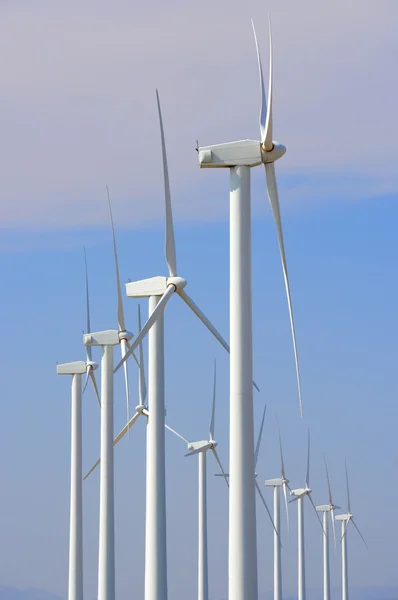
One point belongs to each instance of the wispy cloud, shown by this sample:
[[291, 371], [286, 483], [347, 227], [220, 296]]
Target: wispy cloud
[[77, 107]]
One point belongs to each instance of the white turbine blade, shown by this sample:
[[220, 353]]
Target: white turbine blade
[[170, 248], [87, 378], [286, 507], [92, 469], [115, 441], [155, 314], [195, 308], [120, 311], [348, 489], [317, 513], [141, 365], [307, 476], [263, 107], [213, 409], [356, 527], [88, 326], [274, 202], [133, 353], [267, 509], [268, 144], [294, 499], [260, 435], [123, 349], [334, 526], [281, 453], [176, 433], [329, 487], [94, 383], [220, 465]]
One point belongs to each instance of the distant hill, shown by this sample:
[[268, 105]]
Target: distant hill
[[11, 593]]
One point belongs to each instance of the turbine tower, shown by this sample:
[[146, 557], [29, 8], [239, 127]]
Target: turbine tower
[[326, 510], [277, 484], [239, 157], [77, 370], [107, 340], [299, 495], [159, 290], [345, 521], [201, 448]]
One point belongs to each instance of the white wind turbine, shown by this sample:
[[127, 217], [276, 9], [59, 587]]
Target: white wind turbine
[[326, 510], [277, 484], [77, 370], [300, 494], [107, 340], [201, 448], [346, 519], [239, 157], [159, 291]]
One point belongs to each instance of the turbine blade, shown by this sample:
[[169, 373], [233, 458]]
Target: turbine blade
[[133, 353], [317, 513], [87, 378], [170, 248], [92, 469], [213, 410], [334, 527], [294, 499], [195, 308], [267, 509], [263, 107], [158, 311], [281, 452], [348, 489], [141, 365], [260, 435], [307, 477], [123, 348], [88, 326], [329, 487], [356, 527], [220, 465], [268, 126], [176, 433], [94, 383], [286, 507], [345, 529], [115, 441], [274, 202], [120, 311]]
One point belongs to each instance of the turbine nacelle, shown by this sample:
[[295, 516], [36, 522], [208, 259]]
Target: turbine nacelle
[[201, 446], [153, 286], [345, 517], [110, 337], [301, 492], [248, 153], [78, 367], [278, 482]]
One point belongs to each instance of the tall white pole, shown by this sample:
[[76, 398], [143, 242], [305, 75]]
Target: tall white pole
[[277, 546], [344, 564], [203, 581], [75, 587], [242, 508], [301, 550], [106, 564], [155, 534], [326, 568]]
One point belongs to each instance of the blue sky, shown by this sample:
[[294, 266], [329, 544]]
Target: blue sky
[[84, 115]]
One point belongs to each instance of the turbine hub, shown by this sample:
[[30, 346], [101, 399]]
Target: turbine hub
[[276, 152], [125, 335], [178, 282]]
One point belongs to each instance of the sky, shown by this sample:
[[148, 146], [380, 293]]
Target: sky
[[78, 111]]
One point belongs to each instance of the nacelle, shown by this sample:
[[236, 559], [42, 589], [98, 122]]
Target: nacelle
[[73, 368], [247, 153]]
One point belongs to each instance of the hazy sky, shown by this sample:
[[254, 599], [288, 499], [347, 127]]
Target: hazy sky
[[78, 111]]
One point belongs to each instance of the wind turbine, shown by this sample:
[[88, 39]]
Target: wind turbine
[[201, 448], [159, 291], [345, 521], [326, 510], [239, 157], [77, 370], [300, 494], [107, 340], [277, 484]]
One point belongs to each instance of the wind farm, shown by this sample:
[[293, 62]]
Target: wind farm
[[273, 373]]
